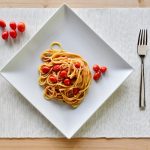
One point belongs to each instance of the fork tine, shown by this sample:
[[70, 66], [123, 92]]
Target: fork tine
[[146, 36], [139, 38]]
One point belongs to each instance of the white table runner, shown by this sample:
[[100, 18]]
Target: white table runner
[[120, 115]]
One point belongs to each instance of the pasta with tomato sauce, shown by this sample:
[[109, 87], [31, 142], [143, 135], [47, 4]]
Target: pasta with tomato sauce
[[64, 76]]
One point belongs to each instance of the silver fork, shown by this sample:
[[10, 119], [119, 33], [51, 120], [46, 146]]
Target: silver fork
[[141, 50]]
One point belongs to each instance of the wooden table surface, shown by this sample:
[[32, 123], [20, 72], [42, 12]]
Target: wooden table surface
[[80, 143]]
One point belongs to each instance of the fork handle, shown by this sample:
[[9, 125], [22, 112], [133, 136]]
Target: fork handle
[[142, 103]]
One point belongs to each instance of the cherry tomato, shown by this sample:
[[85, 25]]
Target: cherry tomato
[[5, 35], [45, 69], [21, 26], [103, 69], [2, 23], [96, 68], [77, 65], [56, 68], [76, 91], [53, 79], [97, 75], [67, 82], [13, 33], [12, 25], [63, 74]]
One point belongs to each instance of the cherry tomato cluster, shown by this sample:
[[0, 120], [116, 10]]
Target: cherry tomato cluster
[[12, 33], [62, 76], [99, 70]]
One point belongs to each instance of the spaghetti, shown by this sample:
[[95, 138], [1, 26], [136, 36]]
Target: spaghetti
[[64, 76]]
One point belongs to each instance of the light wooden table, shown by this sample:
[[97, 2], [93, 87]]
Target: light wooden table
[[84, 143]]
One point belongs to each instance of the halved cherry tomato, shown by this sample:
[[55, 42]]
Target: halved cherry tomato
[[45, 69], [63, 74], [76, 91], [13, 25], [67, 82], [2, 23], [77, 65], [97, 75], [103, 69], [21, 26], [5, 35], [56, 68], [53, 79], [13, 33], [96, 68]]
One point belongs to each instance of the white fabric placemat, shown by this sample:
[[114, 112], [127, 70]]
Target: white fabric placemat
[[120, 115]]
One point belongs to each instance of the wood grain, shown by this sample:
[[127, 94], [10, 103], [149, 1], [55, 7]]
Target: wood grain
[[75, 144], [75, 3]]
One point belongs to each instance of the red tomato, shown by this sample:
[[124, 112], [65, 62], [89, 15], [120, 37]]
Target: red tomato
[[63, 74], [97, 75], [45, 69], [5, 35], [77, 65], [56, 68], [13, 33], [53, 79], [67, 82], [76, 91], [103, 69], [2, 23], [21, 26], [12, 25], [96, 68]]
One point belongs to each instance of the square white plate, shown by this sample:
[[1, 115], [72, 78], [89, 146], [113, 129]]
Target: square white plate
[[66, 27]]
